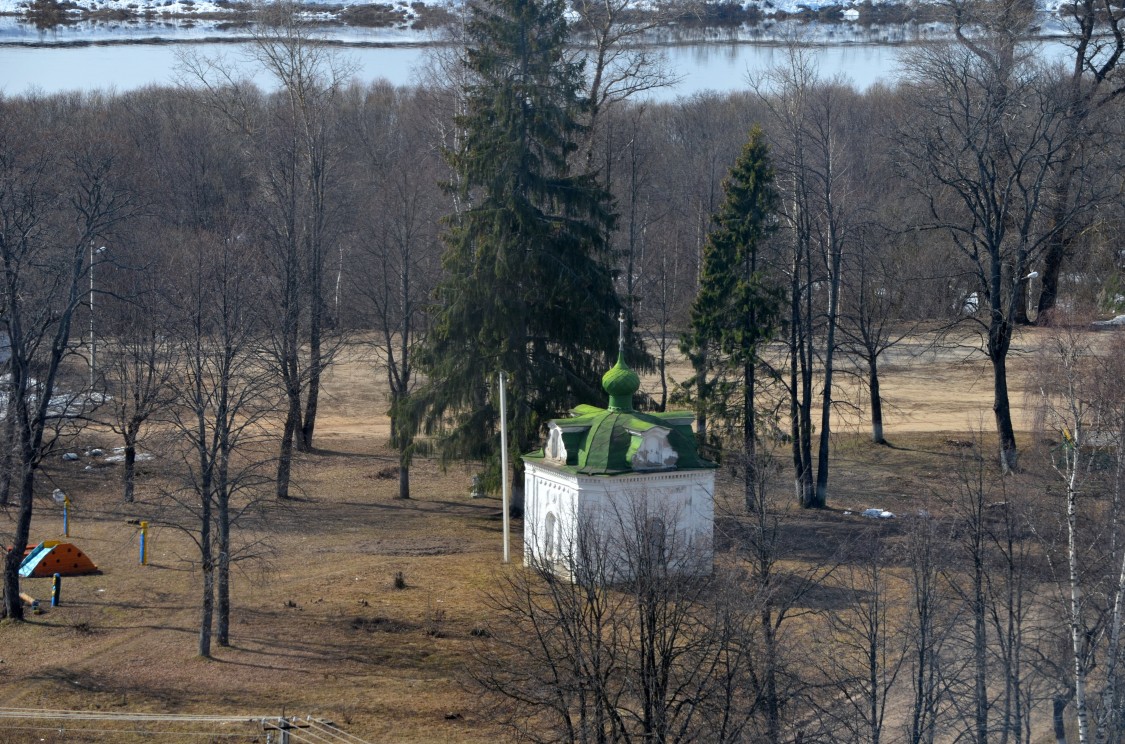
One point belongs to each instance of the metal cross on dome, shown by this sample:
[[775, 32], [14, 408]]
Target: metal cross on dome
[[621, 331]]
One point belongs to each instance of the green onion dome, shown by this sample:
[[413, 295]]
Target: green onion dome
[[620, 383]]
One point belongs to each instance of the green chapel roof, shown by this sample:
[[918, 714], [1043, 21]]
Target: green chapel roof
[[606, 441]]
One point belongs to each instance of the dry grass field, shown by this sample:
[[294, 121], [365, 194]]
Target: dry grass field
[[318, 627]]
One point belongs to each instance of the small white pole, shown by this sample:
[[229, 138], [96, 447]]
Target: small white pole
[[93, 346], [93, 339], [504, 464], [1030, 281]]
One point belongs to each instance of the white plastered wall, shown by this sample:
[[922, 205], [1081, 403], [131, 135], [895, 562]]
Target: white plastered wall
[[559, 504]]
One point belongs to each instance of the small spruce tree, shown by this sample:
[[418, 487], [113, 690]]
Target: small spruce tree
[[735, 311]]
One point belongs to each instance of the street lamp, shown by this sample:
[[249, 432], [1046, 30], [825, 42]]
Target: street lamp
[[93, 340], [1029, 278]]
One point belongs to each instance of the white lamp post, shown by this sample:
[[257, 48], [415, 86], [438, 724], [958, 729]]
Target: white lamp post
[[93, 340], [1033, 275], [504, 465]]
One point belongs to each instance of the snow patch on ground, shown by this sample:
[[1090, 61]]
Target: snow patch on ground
[[117, 459]]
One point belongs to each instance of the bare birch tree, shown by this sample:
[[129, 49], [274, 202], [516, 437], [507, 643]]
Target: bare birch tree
[[1081, 411]]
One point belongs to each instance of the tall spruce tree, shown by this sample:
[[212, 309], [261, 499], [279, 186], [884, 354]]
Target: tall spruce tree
[[527, 287], [735, 311]]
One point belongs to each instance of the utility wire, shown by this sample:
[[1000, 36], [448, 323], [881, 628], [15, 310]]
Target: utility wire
[[78, 715], [333, 731], [147, 732], [309, 734]]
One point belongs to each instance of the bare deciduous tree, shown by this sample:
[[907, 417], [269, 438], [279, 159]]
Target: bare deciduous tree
[[226, 394], [397, 251], [987, 130], [290, 137], [139, 366], [865, 647], [632, 650], [56, 197], [818, 217]]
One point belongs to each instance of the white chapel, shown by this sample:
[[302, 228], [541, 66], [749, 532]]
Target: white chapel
[[615, 487]]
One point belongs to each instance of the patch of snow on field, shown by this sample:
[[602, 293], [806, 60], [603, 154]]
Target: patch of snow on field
[[141, 457]]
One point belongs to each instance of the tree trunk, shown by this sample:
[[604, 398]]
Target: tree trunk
[[207, 606], [1003, 411], [1058, 720], [999, 340], [290, 372], [822, 456], [805, 487], [316, 367], [7, 453], [1020, 301], [1052, 270], [770, 692], [222, 615], [128, 477], [799, 467], [750, 439], [1077, 634], [980, 638], [403, 480], [799, 396], [876, 401], [285, 457], [13, 609]]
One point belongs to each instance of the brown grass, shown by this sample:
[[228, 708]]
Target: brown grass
[[318, 626]]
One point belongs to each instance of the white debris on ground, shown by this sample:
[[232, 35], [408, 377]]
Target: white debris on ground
[[117, 457], [141, 457], [1119, 321], [878, 514], [63, 405]]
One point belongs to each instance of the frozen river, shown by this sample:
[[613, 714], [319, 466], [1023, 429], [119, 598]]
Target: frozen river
[[127, 56]]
